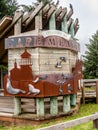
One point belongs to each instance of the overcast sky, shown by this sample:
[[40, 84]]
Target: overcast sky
[[87, 13]]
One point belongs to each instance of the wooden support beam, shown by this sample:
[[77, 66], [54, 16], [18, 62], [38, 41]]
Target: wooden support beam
[[58, 12], [76, 26], [96, 92], [95, 123], [71, 30], [17, 30], [4, 22], [52, 23], [70, 13], [26, 16], [15, 19], [45, 9], [64, 25], [73, 99], [76, 22], [69, 23], [40, 107], [49, 14], [38, 21], [17, 105], [63, 13], [51, 11], [34, 13], [76, 29], [53, 106], [66, 103]]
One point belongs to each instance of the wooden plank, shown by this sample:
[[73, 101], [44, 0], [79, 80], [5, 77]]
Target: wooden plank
[[69, 23], [46, 9], [38, 21], [83, 94], [7, 110], [53, 106], [96, 92], [16, 18], [63, 13], [69, 13], [4, 22], [68, 124], [90, 80], [51, 11], [34, 13], [28, 100], [58, 12], [90, 84]]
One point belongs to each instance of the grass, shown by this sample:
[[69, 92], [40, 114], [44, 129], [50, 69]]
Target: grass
[[85, 110]]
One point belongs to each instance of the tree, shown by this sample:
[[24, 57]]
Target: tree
[[47, 1], [7, 7], [90, 59]]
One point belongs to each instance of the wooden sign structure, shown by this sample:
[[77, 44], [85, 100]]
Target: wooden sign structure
[[43, 58]]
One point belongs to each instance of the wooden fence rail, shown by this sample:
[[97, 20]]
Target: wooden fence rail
[[88, 83], [68, 124]]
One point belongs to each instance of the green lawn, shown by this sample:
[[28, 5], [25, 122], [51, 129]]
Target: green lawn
[[85, 110]]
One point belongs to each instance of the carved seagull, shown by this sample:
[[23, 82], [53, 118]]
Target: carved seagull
[[12, 90], [33, 90]]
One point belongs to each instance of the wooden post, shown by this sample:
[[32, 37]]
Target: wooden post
[[96, 92], [52, 25], [38, 21], [53, 100], [83, 94], [71, 31], [17, 100], [64, 25], [95, 123], [73, 99], [40, 107], [17, 105], [53, 106], [66, 103]]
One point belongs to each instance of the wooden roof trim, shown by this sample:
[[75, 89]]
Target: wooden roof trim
[[76, 22], [51, 11], [76, 25], [58, 11], [15, 19], [46, 9], [69, 23], [70, 13], [34, 13], [5, 21], [76, 29], [63, 13]]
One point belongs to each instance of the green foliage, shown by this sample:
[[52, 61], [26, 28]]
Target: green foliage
[[7, 7], [90, 59], [48, 1], [3, 67]]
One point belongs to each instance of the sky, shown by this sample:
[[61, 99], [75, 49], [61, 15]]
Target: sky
[[87, 13]]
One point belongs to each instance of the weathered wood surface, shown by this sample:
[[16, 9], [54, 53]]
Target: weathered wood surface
[[12, 24], [34, 13], [4, 23], [44, 60], [68, 124], [6, 104], [90, 83], [63, 13]]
